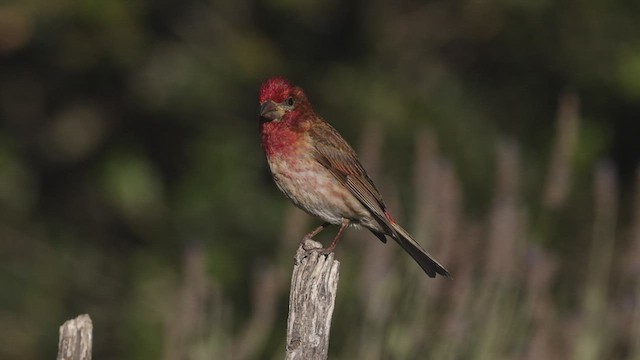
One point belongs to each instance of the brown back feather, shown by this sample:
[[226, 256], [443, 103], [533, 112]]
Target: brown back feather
[[335, 154]]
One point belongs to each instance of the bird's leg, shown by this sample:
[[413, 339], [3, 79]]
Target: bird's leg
[[313, 245], [315, 232], [334, 243]]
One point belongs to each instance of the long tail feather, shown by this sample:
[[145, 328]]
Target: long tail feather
[[420, 255]]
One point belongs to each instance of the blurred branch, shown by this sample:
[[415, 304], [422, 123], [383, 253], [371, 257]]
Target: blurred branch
[[185, 325], [266, 287], [590, 344], [559, 175], [506, 223], [313, 291], [426, 184], [76, 339]]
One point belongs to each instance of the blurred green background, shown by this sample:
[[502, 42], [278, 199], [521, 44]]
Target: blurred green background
[[504, 134]]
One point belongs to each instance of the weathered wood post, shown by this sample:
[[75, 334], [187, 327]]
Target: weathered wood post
[[76, 339], [311, 301]]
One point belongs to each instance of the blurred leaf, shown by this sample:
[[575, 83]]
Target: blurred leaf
[[628, 73], [133, 186]]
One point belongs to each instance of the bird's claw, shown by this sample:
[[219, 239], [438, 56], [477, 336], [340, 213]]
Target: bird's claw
[[309, 247], [319, 251]]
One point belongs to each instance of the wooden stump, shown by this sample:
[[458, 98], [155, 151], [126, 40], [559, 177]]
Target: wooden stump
[[76, 337], [311, 301]]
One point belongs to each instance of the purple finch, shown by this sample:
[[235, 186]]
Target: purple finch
[[318, 170]]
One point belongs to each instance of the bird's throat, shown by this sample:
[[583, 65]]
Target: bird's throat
[[278, 138]]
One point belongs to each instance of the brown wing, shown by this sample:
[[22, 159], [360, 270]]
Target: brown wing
[[334, 153]]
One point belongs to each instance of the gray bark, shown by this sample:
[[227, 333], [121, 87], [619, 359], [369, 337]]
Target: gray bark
[[76, 337], [313, 291]]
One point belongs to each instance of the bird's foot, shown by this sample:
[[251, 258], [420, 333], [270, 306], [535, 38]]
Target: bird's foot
[[309, 247]]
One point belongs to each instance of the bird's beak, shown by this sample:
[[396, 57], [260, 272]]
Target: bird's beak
[[270, 110]]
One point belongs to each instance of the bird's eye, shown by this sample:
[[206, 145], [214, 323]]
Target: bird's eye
[[290, 101]]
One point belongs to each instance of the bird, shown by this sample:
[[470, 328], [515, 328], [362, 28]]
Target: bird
[[315, 167]]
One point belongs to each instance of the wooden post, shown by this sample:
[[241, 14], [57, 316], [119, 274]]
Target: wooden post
[[76, 337], [313, 292]]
